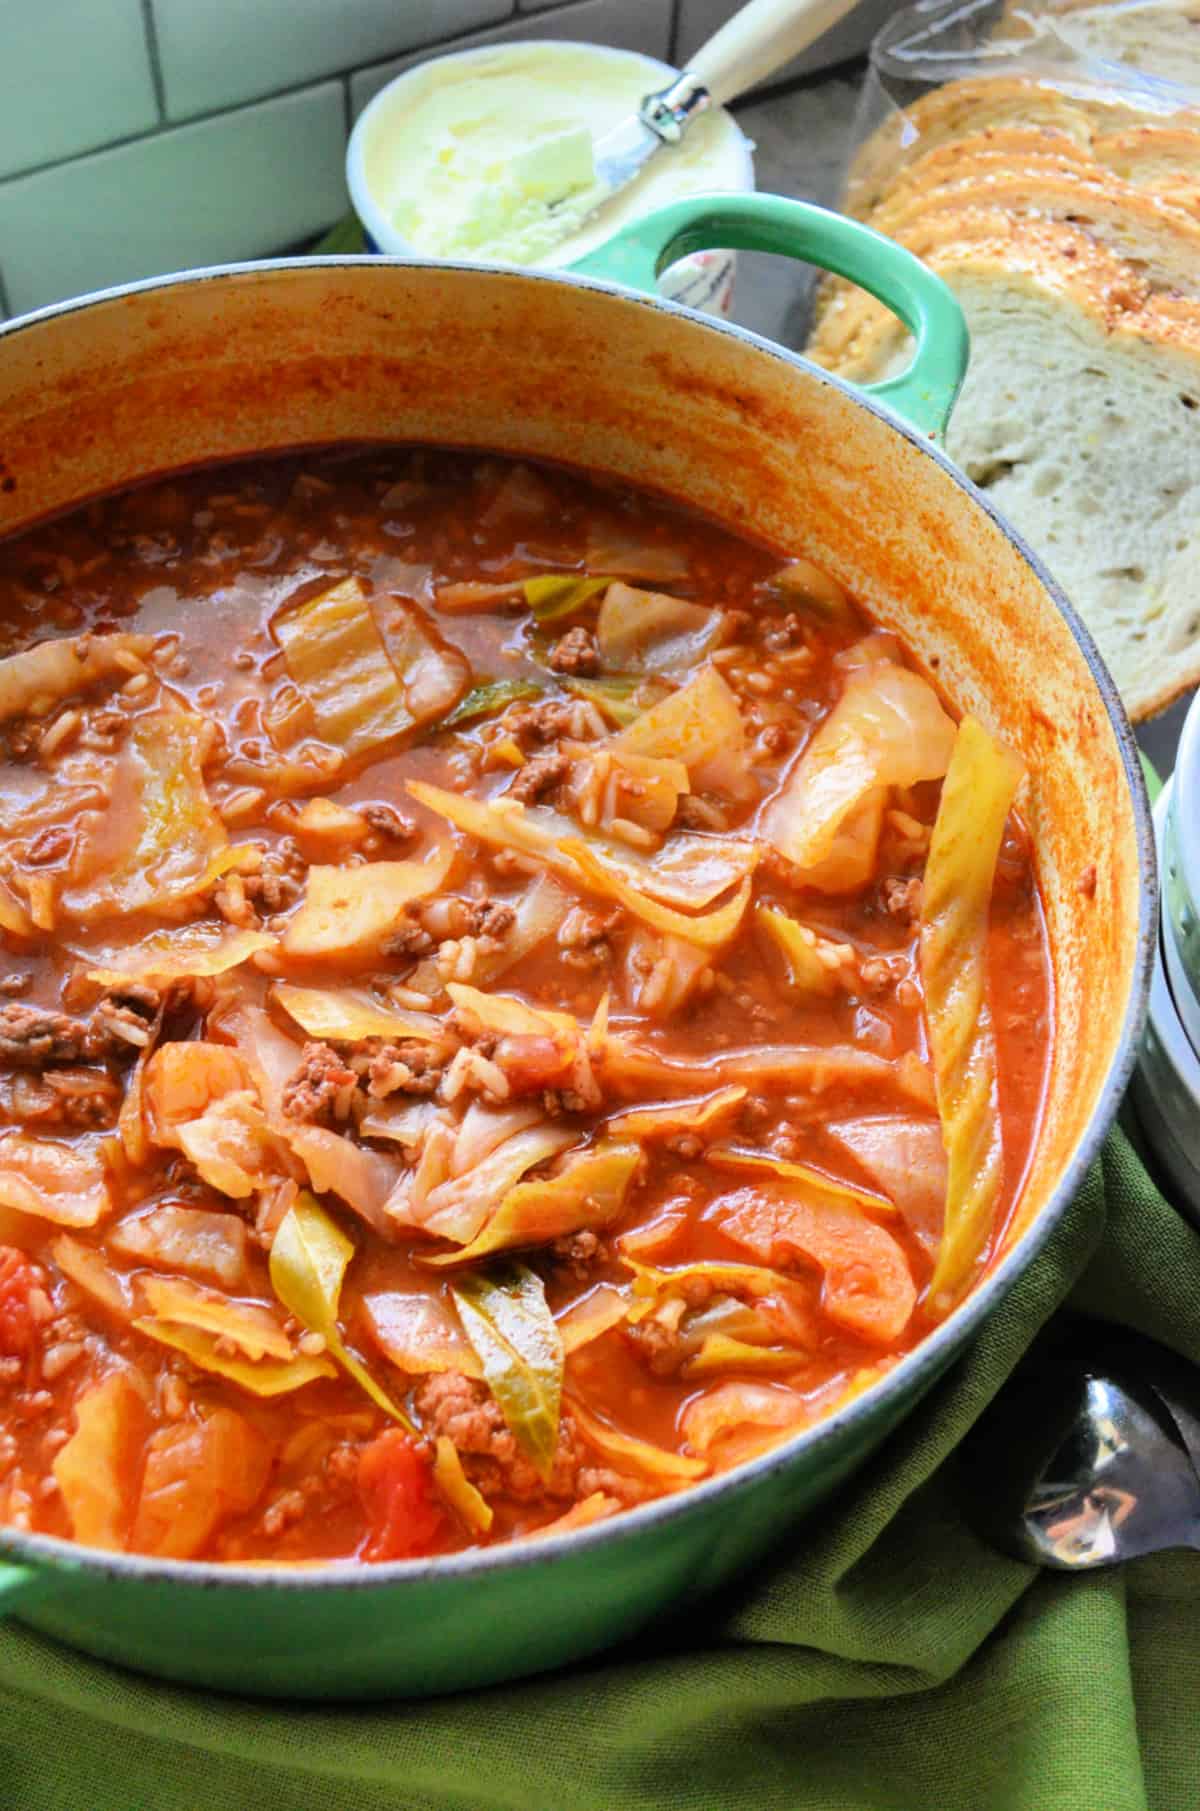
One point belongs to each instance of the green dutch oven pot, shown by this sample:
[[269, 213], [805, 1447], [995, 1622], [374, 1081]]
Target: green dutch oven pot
[[581, 367]]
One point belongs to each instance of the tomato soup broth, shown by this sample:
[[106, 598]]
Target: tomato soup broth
[[515, 999]]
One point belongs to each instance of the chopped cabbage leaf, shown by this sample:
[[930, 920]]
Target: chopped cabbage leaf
[[647, 631], [554, 595], [613, 788], [193, 1240], [472, 595], [588, 1192], [709, 1420], [730, 1157], [360, 693], [94, 1470], [420, 1333], [802, 584], [13, 916], [722, 1352], [631, 1454], [198, 1473], [364, 1180], [786, 1066], [596, 1508], [807, 975], [253, 1329], [35, 680], [402, 1120], [487, 700], [976, 797], [887, 729], [347, 912], [868, 1286], [190, 951], [905, 1158], [459, 1207], [707, 931], [434, 674], [511, 1017], [505, 1317], [700, 725], [261, 1377], [467, 1503], [178, 844], [270, 1057], [689, 871], [91, 1271], [594, 1314], [749, 1280], [701, 1113], [620, 697], [232, 1146], [64, 1183], [351, 1014], [309, 1257], [661, 973]]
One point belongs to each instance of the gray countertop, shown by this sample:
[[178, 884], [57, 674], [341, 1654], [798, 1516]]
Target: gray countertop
[[803, 137]]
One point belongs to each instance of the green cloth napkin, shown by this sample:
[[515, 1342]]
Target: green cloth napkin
[[889, 1660]]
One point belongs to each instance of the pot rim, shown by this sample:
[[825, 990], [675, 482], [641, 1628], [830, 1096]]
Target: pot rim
[[926, 1361]]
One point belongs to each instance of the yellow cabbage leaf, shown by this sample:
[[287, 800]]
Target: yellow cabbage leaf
[[91, 1271], [457, 1489], [701, 1114], [630, 1454], [64, 1183], [700, 725], [232, 1145], [337, 655], [308, 1262], [193, 1240], [198, 1473], [978, 792], [596, 1508], [192, 950], [688, 871], [96, 1467], [729, 1157], [887, 729], [347, 1015], [506, 1319], [708, 930], [723, 1352], [347, 912], [458, 1207], [594, 1314], [588, 1192], [262, 1377], [553, 595], [807, 975], [160, 842], [251, 1327], [648, 631], [35, 680], [419, 1333]]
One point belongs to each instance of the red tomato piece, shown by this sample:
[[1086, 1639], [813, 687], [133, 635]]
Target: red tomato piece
[[18, 1328], [395, 1484]]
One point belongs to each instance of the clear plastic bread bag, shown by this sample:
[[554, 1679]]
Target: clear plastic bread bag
[[940, 72]]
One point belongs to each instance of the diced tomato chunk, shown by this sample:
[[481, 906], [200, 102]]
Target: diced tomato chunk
[[18, 1278], [395, 1483]]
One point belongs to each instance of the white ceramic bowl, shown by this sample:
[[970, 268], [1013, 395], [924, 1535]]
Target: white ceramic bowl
[[1180, 859], [1166, 1082], [703, 280]]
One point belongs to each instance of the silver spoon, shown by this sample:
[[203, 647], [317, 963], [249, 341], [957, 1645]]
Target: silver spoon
[[1091, 1463]]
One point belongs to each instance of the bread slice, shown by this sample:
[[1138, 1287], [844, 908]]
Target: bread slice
[[1153, 36], [1080, 417], [1159, 242], [1162, 158]]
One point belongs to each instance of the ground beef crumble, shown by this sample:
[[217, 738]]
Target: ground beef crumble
[[539, 776], [321, 1089], [576, 653]]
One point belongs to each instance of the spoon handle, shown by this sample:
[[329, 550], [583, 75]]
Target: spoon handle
[[760, 39]]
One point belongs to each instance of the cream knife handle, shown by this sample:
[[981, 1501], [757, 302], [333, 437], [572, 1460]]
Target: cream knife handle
[[760, 39]]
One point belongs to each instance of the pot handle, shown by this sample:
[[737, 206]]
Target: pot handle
[[924, 394]]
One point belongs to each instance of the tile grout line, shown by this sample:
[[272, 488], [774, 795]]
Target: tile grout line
[[150, 26], [5, 310], [673, 36], [442, 46]]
